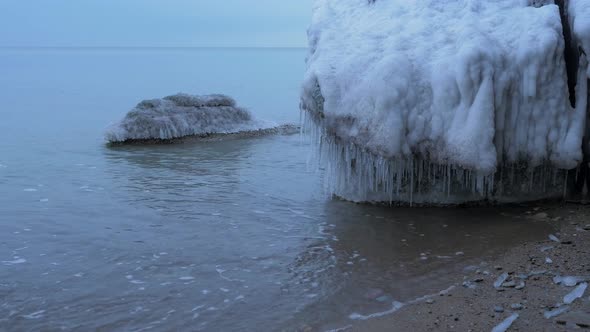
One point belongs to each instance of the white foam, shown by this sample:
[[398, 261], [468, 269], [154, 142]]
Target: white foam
[[16, 261], [35, 315]]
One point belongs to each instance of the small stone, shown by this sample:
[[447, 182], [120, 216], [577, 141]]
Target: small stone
[[586, 228], [509, 284], [498, 267], [468, 284], [520, 285], [499, 309], [430, 301], [516, 306], [566, 242], [478, 280]]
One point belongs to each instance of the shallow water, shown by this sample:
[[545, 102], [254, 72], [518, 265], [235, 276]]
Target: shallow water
[[222, 235]]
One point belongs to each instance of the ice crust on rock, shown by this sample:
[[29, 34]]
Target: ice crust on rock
[[467, 98], [183, 115]]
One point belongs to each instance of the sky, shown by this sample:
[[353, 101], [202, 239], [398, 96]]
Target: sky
[[154, 23]]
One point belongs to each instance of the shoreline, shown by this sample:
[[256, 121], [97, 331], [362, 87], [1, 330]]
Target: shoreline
[[529, 291]]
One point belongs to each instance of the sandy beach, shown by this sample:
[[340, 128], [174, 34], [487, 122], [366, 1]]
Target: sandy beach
[[522, 282]]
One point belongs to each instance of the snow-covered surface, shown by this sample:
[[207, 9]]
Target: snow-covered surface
[[184, 115], [579, 13], [475, 85]]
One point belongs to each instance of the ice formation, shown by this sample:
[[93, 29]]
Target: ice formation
[[183, 115], [446, 101]]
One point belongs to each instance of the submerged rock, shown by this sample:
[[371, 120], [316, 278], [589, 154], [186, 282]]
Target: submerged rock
[[182, 115]]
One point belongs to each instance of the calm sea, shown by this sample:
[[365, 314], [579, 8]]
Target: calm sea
[[214, 236]]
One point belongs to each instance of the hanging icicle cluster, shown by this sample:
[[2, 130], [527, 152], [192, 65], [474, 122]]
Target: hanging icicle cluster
[[361, 176]]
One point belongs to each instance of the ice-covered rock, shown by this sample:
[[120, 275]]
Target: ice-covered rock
[[444, 101], [183, 115]]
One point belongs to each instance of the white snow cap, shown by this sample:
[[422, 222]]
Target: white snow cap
[[472, 83]]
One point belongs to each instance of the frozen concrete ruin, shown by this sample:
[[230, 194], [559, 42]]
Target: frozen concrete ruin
[[182, 116], [448, 101]]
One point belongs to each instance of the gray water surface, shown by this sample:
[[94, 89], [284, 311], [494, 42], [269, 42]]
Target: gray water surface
[[224, 235]]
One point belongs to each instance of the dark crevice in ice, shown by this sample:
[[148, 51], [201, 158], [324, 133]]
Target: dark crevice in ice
[[571, 54]]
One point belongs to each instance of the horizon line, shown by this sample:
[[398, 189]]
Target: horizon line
[[148, 47]]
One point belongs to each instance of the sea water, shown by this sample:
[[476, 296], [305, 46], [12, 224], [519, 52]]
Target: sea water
[[223, 235]]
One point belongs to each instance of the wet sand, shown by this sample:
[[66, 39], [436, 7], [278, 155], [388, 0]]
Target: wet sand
[[475, 304]]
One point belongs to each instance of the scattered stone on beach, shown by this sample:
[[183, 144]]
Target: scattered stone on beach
[[546, 248], [509, 284], [430, 301], [577, 293], [555, 312], [569, 281], [553, 238], [520, 285], [516, 306], [505, 325], [498, 309], [548, 260], [501, 279], [469, 284], [535, 273]]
